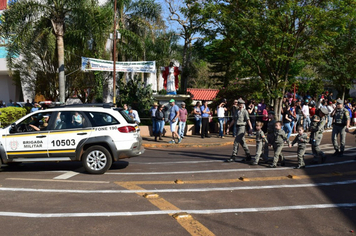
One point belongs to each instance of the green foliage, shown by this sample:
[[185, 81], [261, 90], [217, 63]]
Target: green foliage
[[335, 58], [135, 94], [267, 38], [246, 89], [11, 114], [33, 29]]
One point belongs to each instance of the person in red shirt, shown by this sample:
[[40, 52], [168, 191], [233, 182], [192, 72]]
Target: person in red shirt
[[312, 110]]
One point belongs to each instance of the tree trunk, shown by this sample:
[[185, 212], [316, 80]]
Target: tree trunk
[[277, 108], [184, 66], [59, 31], [343, 94]]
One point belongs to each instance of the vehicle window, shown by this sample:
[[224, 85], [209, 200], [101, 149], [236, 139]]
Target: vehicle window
[[36, 122], [101, 119], [126, 116], [70, 120]]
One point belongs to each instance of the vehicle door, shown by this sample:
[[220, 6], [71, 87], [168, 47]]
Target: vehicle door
[[70, 129], [29, 137]]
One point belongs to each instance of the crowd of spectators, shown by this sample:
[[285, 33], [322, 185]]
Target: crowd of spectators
[[295, 111]]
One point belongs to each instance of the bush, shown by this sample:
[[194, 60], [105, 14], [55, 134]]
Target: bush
[[11, 114]]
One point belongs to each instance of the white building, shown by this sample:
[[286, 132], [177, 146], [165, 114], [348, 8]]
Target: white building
[[8, 89]]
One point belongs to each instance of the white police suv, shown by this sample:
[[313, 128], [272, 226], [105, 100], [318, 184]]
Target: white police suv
[[95, 135]]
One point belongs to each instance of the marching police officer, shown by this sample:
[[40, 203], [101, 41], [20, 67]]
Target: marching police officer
[[341, 124], [242, 119]]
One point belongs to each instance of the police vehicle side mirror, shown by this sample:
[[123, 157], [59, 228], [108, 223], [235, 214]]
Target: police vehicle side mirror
[[13, 128]]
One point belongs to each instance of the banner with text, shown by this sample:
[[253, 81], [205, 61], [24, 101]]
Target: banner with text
[[92, 64]]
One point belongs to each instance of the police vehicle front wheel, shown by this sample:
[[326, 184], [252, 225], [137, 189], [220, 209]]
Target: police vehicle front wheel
[[96, 160]]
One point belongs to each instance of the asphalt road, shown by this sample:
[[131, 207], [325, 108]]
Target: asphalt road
[[183, 192]]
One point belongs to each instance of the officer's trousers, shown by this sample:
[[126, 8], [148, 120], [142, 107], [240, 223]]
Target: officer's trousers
[[338, 129], [240, 139]]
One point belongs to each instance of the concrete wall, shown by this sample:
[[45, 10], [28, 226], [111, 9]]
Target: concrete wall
[[146, 131]]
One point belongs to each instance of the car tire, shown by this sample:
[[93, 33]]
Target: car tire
[[96, 160]]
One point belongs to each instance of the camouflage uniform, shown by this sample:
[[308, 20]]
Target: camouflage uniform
[[279, 137], [317, 129], [260, 138], [302, 141], [242, 118], [340, 119]]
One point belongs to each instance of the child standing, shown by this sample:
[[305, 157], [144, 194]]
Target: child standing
[[260, 140], [317, 129], [279, 138], [302, 140]]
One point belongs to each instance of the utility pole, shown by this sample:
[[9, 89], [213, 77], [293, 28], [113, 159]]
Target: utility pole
[[114, 58]]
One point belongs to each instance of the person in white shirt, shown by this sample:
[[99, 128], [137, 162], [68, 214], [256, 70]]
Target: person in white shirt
[[134, 114], [221, 117], [305, 111], [330, 108]]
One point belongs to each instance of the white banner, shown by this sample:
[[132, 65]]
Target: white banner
[[92, 64]]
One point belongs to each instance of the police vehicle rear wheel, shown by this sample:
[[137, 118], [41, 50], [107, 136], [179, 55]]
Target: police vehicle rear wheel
[[96, 160]]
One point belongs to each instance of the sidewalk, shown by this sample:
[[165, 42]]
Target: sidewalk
[[192, 141], [195, 141]]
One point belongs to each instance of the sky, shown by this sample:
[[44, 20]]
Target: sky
[[170, 24]]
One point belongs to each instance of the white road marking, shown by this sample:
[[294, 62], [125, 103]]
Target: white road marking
[[270, 151], [147, 213], [224, 170], [61, 181], [67, 175], [258, 187]]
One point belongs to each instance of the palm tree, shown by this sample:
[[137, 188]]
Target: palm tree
[[22, 17]]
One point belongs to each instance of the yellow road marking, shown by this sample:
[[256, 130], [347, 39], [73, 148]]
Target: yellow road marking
[[193, 226], [223, 181]]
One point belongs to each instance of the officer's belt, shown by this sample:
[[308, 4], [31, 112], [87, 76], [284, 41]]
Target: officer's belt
[[340, 125]]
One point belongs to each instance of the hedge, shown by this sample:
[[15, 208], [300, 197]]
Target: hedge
[[11, 114]]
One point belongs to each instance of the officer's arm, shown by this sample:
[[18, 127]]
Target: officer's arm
[[249, 124], [347, 121], [333, 113]]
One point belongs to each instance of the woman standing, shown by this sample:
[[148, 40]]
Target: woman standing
[[287, 121], [252, 112], [160, 122], [293, 117], [197, 116]]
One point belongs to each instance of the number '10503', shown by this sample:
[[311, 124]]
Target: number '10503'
[[63, 142]]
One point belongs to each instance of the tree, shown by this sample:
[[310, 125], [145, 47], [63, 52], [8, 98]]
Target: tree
[[191, 20], [269, 37], [22, 16], [86, 34], [335, 58]]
